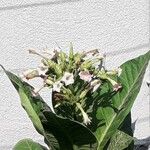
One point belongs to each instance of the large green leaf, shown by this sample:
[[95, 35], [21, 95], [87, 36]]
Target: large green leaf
[[113, 115], [122, 139], [127, 128], [71, 135], [28, 144], [119, 141], [59, 133], [32, 105]]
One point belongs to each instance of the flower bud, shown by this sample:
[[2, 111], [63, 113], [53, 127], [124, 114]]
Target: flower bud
[[86, 64], [49, 82], [119, 71], [71, 55], [83, 93]]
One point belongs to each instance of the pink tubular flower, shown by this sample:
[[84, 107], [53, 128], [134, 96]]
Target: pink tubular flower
[[116, 86], [86, 76], [30, 74]]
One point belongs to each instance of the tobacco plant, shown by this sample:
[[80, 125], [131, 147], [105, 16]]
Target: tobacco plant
[[91, 105]]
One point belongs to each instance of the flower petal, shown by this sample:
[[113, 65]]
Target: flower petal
[[86, 76]]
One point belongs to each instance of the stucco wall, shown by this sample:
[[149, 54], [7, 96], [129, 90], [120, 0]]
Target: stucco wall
[[120, 28]]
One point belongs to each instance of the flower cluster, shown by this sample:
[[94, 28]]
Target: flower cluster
[[72, 76]]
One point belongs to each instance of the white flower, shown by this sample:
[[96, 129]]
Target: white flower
[[49, 54], [42, 70], [86, 119], [95, 84], [57, 86], [68, 78], [30, 74], [86, 76]]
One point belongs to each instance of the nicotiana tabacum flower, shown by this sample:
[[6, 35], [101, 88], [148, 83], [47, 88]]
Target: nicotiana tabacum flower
[[68, 78], [85, 75], [117, 71], [32, 73], [57, 86], [73, 77], [86, 119]]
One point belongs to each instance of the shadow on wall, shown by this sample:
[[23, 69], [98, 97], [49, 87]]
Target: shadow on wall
[[142, 144], [37, 4], [129, 50]]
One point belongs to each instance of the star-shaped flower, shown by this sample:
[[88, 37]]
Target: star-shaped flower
[[57, 86], [68, 78]]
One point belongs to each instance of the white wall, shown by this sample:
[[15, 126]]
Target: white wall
[[118, 27]]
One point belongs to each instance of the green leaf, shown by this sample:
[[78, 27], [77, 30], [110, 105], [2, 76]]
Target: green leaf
[[28, 144], [60, 133], [127, 128], [31, 104], [112, 115], [120, 141], [70, 134]]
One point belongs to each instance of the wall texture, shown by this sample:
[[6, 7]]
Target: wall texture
[[120, 28]]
